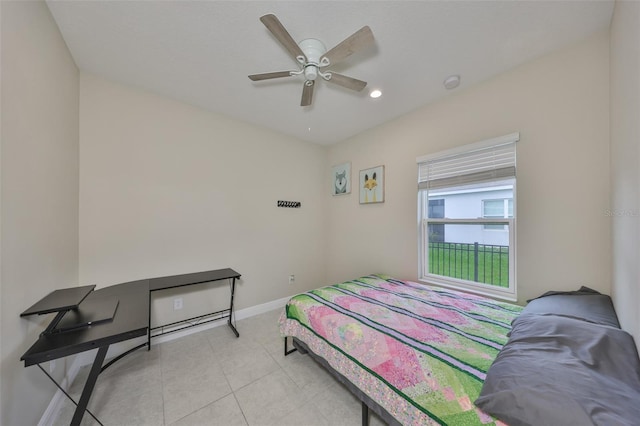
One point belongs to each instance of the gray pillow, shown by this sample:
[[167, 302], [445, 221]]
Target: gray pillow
[[584, 304], [560, 371]]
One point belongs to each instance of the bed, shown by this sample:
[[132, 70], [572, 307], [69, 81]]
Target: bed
[[422, 355], [417, 355]]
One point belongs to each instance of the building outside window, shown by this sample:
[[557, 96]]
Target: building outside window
[[466, 199]]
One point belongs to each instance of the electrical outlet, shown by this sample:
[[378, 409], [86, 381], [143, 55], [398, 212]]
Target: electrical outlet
[[52, 366], [177, 303], [292, 279]]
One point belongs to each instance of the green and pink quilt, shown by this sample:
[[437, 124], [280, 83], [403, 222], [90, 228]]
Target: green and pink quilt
[[421, 352]]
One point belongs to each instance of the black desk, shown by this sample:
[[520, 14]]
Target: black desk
[[131, 320]]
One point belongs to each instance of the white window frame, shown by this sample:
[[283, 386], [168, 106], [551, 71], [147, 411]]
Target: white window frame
[[505, 293]]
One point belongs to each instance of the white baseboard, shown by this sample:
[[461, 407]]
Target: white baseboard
[[86, 358]]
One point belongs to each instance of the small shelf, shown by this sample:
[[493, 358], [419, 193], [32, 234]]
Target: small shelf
[[190, 322], [59, 300]]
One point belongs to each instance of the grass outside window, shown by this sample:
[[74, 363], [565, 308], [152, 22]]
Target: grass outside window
[[488, 264]]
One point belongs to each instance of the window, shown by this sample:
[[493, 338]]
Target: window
[[467, 218], [436, 230], [495, 209]]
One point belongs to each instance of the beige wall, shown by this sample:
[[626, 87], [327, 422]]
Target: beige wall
[[39, 188], [625, 163], [1, 298], [167, 188], [560, 105]]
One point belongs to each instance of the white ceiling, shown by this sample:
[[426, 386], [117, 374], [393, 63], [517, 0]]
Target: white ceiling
[[201, 52]]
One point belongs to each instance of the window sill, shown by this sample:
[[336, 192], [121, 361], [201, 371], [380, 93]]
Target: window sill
[[495, 294]]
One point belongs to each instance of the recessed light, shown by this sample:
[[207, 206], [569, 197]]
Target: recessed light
[[451, 82], [375, 93]]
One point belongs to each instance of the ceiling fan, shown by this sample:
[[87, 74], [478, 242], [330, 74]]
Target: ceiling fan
[[313, 58]]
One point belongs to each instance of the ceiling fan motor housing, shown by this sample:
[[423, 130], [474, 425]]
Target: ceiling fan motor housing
[[313, 50], [312, 57]]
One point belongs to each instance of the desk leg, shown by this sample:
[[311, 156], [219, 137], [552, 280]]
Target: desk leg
[[149, 328], [233, 290], [89, 385]]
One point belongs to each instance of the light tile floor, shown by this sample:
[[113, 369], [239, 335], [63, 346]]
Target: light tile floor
[[214, 378]]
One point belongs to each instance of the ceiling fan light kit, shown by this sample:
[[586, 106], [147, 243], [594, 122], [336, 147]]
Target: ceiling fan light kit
[[312, 55]]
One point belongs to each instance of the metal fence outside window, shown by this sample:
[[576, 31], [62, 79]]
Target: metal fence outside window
[[482, 263]]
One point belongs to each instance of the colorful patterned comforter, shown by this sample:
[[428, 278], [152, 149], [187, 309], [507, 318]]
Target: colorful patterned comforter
[[420, 352]]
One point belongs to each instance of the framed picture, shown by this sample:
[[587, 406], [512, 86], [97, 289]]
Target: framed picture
[[372, 185], [341, 179]]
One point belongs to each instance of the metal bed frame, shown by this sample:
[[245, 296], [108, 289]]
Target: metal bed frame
[[366, 401]]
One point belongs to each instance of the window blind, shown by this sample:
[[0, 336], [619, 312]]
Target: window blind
[[481, 162]]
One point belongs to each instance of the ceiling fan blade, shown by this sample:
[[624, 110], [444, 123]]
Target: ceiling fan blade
[[279, 31], [348, 82], [356, 41], [270, 75], [307, 93]]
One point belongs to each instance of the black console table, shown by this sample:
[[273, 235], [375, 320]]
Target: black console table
[[165, 283], [88, 319]]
